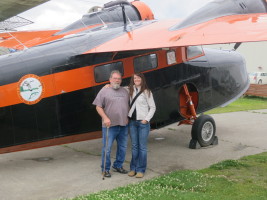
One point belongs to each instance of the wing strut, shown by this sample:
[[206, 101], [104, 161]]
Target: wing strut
[[124, 15], [237, 45]]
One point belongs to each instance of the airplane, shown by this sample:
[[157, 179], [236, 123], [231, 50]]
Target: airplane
[[48, 84]]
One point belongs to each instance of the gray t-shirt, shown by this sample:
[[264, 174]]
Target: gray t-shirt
[[115, 104]]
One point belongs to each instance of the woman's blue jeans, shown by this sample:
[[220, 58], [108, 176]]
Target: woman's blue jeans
[[139, 135], [120, 134]]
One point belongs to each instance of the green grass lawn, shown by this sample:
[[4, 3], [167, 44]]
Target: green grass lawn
[[242, 104], [244, 179]]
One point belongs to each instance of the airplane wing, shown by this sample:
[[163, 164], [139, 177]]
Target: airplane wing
[[227, 21], [227, 29], [26, 39], [10, 8], [219, 22]]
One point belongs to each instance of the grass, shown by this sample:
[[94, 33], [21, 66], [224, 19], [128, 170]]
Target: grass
[[242, 104], [243, 179]]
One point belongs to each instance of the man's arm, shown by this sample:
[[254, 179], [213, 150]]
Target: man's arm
[[105, 118]]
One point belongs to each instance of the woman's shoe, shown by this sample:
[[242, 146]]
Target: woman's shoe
[[131, 173], [139, 175]]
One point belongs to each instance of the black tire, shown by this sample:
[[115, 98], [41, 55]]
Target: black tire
[[260, 82], [204, 130]]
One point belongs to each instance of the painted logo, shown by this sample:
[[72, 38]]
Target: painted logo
[[30, 89]]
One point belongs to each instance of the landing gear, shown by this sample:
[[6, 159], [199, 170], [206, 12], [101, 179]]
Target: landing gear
[[203, 132], [203, 127]]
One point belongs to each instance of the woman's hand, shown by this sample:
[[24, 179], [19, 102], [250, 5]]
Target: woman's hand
[[144, 122]]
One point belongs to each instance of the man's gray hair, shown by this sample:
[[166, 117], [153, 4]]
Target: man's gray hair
[[115, 72]]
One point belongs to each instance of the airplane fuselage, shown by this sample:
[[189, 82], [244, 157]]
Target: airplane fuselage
[[70, 84], [47, 91]]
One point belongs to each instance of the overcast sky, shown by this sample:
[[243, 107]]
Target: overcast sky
[[57, 14]]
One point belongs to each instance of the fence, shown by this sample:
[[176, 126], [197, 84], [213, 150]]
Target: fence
[[257, 90]]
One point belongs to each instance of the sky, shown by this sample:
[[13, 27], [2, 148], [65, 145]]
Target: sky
[[57, 14]]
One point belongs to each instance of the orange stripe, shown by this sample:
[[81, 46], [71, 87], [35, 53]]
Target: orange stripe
[[28, 38], [73, 80], [33, 38], [67, 81]]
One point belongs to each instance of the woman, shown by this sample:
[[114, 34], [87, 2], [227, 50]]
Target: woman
[[141, 111]]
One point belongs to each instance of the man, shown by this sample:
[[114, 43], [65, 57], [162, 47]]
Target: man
[[112, 104]]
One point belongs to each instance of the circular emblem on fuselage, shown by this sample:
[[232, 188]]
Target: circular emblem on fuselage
[[30, 89]]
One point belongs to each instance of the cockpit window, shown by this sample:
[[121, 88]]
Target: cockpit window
[[194, 52], [109, 15]]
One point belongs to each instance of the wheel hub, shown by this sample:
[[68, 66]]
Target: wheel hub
[[207, 131]]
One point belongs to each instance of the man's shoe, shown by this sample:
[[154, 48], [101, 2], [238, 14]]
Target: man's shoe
[[107, 174], [120, 170], [131, 173], [139, 175]]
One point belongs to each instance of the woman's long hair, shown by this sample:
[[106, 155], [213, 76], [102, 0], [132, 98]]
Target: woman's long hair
[[143, 84]]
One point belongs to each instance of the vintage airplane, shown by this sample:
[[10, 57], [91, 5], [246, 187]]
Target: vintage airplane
[[47, 87]]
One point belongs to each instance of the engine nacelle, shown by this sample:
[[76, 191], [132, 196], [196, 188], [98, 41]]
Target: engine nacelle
[[144, 11]]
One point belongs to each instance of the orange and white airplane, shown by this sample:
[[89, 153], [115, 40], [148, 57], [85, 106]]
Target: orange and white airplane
[[47, 86]]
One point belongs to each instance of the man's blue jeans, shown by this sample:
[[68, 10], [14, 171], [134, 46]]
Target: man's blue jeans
[[120, 133], [139, 134]]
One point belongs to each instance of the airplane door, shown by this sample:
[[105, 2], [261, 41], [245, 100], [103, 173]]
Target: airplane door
[[75, 111]]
